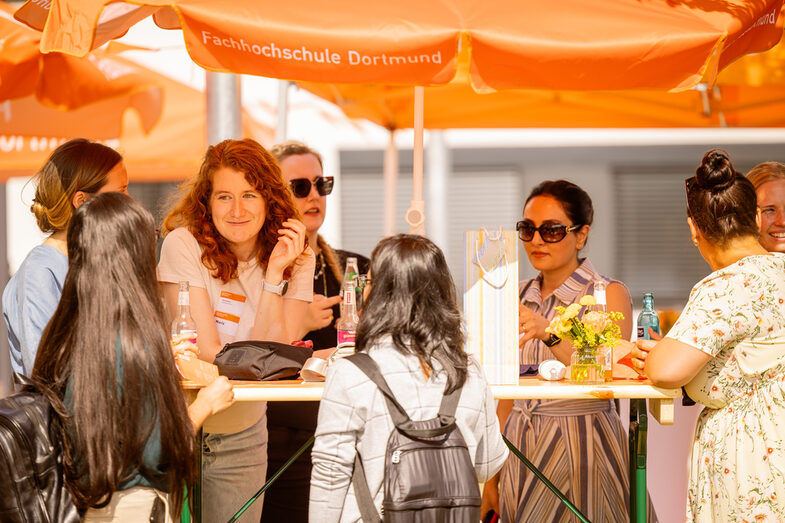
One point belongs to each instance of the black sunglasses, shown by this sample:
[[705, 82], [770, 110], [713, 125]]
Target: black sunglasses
[[301, 187], [550, 233]]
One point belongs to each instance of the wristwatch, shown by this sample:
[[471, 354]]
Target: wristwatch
[[553, 340], [279, 289]]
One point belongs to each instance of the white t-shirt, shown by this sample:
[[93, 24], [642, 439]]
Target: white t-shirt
[[234, 305]]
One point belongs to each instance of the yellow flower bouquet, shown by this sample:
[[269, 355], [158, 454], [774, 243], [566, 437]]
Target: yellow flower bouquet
[[586, 332]]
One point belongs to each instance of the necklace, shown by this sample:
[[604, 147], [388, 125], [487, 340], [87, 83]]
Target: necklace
[[321, 273]]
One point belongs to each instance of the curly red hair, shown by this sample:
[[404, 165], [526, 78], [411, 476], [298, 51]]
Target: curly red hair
[[193, 209]]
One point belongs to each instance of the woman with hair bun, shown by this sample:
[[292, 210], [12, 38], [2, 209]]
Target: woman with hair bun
[[728, 350], [75, 171]]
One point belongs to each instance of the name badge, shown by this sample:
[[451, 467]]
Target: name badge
[[228, 312]]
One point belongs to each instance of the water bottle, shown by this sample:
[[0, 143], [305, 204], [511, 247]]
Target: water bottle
[[183, 325], [347, 323], [648, 318]]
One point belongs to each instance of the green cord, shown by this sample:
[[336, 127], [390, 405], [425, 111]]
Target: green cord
[[545, 480], [272, 479]]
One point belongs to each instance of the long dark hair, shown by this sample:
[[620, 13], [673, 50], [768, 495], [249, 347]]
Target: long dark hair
[[107, 348], [721, 202], [413, 300]]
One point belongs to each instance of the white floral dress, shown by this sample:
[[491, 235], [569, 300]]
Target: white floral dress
[[737, 463]]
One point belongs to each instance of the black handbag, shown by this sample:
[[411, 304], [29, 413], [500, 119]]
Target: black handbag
[[261, 360]]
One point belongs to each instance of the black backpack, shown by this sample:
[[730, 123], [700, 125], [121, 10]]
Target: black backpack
[[31, 472], [429, 475]]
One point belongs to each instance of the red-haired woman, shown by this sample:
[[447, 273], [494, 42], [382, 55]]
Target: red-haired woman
[[235, 237]]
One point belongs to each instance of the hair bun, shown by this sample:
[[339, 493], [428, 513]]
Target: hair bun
[[715, 173]]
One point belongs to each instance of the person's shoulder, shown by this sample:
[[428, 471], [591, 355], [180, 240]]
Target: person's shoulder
[[180, 237], [43, 261]]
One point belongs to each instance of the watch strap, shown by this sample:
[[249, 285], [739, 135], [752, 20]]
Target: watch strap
[[279, 289]]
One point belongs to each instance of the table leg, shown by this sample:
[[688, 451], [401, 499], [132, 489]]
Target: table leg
[[198, 487], [639, 502]]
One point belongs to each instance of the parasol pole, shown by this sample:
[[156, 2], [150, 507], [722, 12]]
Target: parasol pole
[[415, 215], [390, 185], [224, 116], [282, 112]]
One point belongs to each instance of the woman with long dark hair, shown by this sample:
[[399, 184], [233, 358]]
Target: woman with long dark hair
[[411, 326], [235, 236], [105, 358], [728, 351], [75, 171]]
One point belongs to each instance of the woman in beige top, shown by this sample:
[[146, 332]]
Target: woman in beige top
[[235, 237]]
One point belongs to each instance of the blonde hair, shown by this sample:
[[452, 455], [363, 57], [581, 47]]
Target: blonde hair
[[766, 172], [284, 150], [76, 165]]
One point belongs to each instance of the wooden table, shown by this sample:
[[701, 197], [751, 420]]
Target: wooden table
[[660, 400], [661, 407]]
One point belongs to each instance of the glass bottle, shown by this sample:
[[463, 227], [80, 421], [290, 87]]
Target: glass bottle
[[183, 325], [347, 323], [648, 318]]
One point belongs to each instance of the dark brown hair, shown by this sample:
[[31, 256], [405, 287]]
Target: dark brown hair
[[720, 201], [76, 165], [575, 201], [104, 358], [193, 210], [413, 300]]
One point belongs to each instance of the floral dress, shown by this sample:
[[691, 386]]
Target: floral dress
[[737, 464]]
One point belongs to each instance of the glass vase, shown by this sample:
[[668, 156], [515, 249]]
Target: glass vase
[[585, 366]]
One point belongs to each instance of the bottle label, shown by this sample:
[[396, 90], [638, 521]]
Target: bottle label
[[345, 337], [185, 335], [348, 295], [643, 333]]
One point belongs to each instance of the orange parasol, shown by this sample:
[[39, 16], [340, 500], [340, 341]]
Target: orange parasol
[[66, 82], [173, 150], [572, 44], [501, 44]]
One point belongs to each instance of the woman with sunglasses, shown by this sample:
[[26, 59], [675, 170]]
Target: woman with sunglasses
[[235, 237], [291, 424], [580, 445], [728, 351]]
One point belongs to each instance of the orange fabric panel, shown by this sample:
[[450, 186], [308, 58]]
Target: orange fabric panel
[[570, 44], [172, 150]]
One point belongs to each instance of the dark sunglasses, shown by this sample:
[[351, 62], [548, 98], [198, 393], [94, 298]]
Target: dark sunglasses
[[550, 233], [301, 187]]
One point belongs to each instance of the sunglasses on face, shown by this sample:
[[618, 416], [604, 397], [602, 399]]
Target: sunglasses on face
[[301, 187], [550, 233]]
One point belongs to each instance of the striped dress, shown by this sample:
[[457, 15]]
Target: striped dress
[[580, 445]]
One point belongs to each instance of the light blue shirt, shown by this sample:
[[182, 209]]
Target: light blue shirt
[[29, 302]]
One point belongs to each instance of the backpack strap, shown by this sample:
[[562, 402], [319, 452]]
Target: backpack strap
[[398, 414], [362, 493]]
